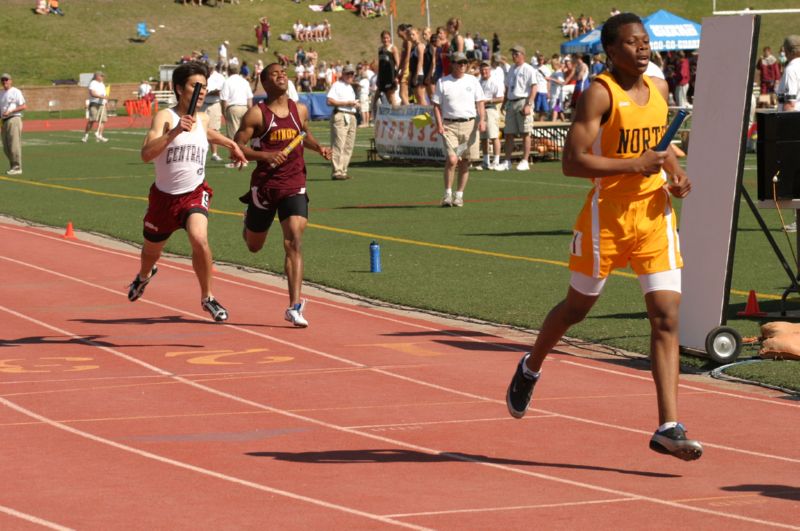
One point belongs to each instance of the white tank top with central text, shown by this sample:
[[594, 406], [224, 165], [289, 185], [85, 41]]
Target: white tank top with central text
[[181, 167]]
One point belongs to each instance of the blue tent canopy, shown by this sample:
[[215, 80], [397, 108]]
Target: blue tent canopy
[[667, 32], [671, 32], [588, 43]]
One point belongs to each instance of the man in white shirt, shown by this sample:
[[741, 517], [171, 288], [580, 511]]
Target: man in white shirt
[[237, 97], [494, 93], [12, 103], [541, 106], [788, 90], [222, 56], [457, 101], [343, 99], [97, 108], [212, 106], [521, 92]]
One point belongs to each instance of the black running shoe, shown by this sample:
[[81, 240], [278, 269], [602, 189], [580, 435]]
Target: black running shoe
[[215, 309], [136, 289], [673, 441], [518, 396]]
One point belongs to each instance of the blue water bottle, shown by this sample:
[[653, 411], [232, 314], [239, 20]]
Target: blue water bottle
[[374, 257]]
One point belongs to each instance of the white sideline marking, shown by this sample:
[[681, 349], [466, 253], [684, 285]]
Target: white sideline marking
[[34, 519]]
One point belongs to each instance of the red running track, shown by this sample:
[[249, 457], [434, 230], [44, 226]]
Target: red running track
[[147, 415]]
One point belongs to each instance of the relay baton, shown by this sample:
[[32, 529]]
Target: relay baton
[[672, 130], [195, 96], [293, 144]]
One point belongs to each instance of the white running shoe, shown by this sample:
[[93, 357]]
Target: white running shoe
[[15, 171], [458, 201], [447, 200], [503, 166], [85, 138], [101, 138], [216, 157], [523, 166], [294, 314]]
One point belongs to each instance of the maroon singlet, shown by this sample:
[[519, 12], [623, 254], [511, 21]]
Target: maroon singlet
[[278, 132]]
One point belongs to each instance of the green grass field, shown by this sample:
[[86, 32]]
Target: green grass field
[[97, 33], [501, 258]]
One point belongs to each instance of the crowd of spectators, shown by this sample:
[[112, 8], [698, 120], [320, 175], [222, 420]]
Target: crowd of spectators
[[311, 32]]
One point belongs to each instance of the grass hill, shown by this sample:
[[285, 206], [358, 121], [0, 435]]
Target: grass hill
[[98, 33]]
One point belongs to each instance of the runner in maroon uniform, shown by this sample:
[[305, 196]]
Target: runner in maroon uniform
[[278, 183]]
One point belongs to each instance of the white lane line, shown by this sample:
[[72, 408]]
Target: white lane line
[[334, 427], [382, 316], [200, 470], [33, 519], [511, 508]]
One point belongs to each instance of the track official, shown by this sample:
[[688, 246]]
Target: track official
[[342, 97], [12, 103]]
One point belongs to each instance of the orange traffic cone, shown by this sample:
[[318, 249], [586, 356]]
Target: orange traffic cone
[[752, 309], [70, 234]]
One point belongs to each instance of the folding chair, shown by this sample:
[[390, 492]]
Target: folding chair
[[141, 31]]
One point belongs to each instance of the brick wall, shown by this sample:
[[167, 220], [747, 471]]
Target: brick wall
[[71, 97]]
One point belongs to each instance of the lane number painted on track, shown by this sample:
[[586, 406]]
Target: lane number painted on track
[[46, 364], [223, 357]]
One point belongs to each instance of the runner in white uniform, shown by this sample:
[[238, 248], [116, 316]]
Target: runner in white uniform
[[177, 143]]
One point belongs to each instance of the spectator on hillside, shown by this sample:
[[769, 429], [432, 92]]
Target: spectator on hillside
[[282, 59], [541, 105], [257, 69], [495, 44], [299, 31], [12, 103], [41, 7], [262, 34], [456, 40], [222, 55], [55, 9], [469, 46]]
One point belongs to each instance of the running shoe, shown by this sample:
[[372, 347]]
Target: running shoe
[[101, 138], [673, 441], [136, 289], [523, 166], [294, 314], [447, 200], [518, 396], [216, 157], [213, 307], [15, 171], [458, 201], [503, 166]]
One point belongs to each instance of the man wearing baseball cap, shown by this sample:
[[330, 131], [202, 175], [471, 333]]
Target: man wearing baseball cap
[[12, 103], [342, 97], [520, 94]]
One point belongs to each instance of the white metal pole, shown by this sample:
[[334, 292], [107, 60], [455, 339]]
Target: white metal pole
[[428, 12]]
